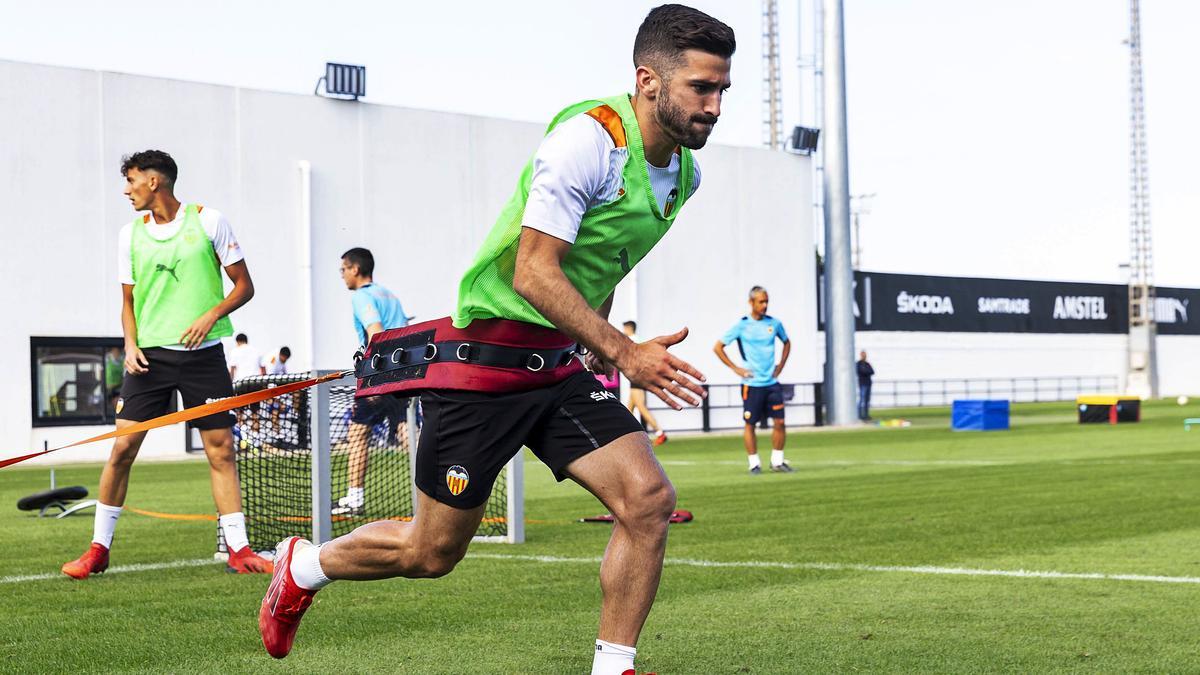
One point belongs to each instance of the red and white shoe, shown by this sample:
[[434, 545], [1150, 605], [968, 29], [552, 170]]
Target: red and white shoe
[[245, 561], [659, 440], [631, 671], [93, 561], [285, 602]]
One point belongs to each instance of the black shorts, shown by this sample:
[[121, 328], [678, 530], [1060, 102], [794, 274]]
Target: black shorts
[[372, 410], [198, 375], [468, 437], [761, 402]]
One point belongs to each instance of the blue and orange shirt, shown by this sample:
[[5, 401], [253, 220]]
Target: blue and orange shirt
[[374, 303], [756, 343]]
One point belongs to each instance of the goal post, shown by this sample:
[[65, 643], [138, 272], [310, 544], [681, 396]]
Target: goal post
[[295, 455]]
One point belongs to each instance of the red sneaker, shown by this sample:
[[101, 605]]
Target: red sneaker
[[631, 671], [284, 603], [93, 561], [659, 440], [245, 561]]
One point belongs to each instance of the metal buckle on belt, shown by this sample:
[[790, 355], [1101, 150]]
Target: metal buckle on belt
[[541, 362]]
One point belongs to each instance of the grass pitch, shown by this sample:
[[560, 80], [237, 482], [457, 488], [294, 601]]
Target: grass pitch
[[863, 560]]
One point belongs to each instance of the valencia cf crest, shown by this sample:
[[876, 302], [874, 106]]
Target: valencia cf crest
[[120, 404], [457, 479]]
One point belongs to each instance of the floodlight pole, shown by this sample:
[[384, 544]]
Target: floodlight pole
[[839, 275]]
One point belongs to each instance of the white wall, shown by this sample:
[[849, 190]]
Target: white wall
[[419, 188]]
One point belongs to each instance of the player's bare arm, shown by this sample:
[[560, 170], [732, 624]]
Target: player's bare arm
[[787, 349], [243, 290], [593, 361], [719, 350], [135, 361], [540, 280]]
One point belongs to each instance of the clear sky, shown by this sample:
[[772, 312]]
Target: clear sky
[[995, 135]]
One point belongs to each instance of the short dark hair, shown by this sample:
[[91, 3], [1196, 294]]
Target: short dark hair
[[285, 352], [669, 30], [241, 339], [631, 324], [151, 159], [361, 258], [755, 290]]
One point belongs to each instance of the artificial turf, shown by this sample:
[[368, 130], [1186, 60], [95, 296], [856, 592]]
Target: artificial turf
[[810, 592]]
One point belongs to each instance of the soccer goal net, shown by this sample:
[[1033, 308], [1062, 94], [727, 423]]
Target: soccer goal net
[[291, 484]]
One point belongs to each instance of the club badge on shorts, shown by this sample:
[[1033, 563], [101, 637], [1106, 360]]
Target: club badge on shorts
[[120, 405], [457, 479]]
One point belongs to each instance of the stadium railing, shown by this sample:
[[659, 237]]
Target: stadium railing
[[805, 402]]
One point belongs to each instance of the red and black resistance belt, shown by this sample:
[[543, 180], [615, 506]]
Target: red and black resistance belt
[[490, 355]]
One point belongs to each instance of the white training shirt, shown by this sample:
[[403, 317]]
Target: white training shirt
[[246, 359], [216, 227], [578, 167]]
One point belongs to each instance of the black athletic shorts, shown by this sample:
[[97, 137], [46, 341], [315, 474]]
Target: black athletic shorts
[[468, 437], [760, 402], [372, 410], [198, 375]]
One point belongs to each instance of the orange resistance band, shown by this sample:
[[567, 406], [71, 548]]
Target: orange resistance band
[[187, 414]]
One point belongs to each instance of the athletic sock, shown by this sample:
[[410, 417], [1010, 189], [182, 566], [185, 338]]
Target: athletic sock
[[754, 461], [355, 496], [105, 524], [660, 432], [776, 457], [611, 659], [233, 526], [306, 568]]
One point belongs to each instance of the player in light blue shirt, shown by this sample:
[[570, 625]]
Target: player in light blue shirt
[[762, 396], [376, 309]]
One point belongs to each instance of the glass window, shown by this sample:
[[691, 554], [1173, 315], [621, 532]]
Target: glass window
[[76, 381]]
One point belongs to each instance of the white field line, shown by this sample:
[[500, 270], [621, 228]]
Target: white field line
[[933, 462], [142, 567], [852, 567], [847, 462], [688, 562]]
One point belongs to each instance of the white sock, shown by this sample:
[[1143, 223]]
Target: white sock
[[306, 568], [233, 526], [105, 524], [754, 461], [660, 433], [355, 496], [611, 659], [776, 457]]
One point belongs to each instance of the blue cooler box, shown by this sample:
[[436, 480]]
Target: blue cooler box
[[979, 415]]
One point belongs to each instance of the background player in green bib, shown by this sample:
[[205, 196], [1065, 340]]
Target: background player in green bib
[[605, 185], [174, 314]]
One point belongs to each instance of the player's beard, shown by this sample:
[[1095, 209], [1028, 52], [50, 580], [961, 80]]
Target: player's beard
[[679, 124]]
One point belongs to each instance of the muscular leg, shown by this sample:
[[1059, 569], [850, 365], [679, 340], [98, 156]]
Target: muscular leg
[[227, 493], [778, 435], [750, 439], [357, 470], [114, 479], [430, 546], [627, 478]]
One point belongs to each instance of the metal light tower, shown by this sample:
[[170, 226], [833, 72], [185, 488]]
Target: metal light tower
[[772, 86], [1142, 374]]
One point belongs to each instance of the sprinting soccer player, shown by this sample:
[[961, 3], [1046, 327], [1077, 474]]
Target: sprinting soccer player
[[174, 316], [375, 309], [607, 182], [762, 397], [637, 395]]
